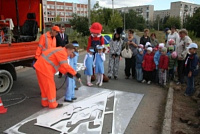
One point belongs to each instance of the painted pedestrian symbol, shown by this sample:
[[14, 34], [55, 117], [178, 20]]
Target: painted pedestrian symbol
[[97, 111]]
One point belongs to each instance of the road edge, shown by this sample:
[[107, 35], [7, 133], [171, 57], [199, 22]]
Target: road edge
[[166, 127]]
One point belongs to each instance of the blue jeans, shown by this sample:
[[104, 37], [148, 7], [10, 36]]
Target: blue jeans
[[190, 86], [139, 74]]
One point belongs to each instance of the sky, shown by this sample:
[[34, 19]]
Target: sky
[[158, 4]]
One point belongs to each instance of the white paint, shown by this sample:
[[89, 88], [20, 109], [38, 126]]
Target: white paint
[[89, 99]]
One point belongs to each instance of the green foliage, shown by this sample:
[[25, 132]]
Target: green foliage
[[173, 21], [80, 24], [57, 18], [193, 23], [115, 21], [133, 20]]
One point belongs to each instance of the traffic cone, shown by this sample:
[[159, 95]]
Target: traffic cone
[[2, 109]]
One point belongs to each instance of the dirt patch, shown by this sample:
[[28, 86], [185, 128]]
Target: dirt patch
[[184, 118]]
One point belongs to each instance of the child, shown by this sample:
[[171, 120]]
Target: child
[[88, 64], [148, 44], [191, 68], [172, 55], [76, 45], [139, 59], [171, 43], [69, 94], [99, 64], [148, 66], [163, 66], [156, 60]]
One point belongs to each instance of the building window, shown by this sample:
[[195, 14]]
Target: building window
[[52, 13], [48, 6], [61, 7], [48, 13], [147, 14], [147, 8], [58, 7], [52, 7], [70, 8]]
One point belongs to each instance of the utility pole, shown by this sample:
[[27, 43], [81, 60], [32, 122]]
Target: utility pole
[[124, 20], [89, 13], [112, 8]]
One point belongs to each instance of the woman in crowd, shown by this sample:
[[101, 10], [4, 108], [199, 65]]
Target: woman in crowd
[[173, 35], [131, 41], [154, 42], [181, 50], [114, 55], [145, 38]]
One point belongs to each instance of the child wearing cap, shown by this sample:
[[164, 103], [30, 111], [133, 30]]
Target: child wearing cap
[[70, 86], [172, 55], [163, 67], [139, 60], [156, 60], [76, 45], [148, 66], [191, 68], [88, 64], [99, 64], [148, 44]]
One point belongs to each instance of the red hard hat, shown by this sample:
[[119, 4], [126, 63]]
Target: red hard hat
[[96, 28]]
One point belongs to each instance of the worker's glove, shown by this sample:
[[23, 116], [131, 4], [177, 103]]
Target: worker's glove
[[69, 75], [78, 75]]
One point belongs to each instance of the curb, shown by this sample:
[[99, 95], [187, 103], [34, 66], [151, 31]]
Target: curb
[[166, 127]]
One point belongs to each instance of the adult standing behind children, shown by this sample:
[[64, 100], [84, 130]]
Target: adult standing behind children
[[61, 41], [95, 38], [114, 55], [132, 43], [145, 38], [181, 50], [154, 42], [173, 35]]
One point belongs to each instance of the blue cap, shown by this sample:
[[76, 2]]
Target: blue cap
[[75, 44], [91, 50], [100, 47]]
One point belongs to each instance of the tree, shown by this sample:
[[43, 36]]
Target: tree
[[173, 21], [80, 24], [115, 21], [193, 23], [57, 18]]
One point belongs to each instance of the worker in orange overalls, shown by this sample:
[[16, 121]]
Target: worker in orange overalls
[[51, 61], [47, 41]]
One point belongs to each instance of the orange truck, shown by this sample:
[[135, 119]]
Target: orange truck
[[20, 22]]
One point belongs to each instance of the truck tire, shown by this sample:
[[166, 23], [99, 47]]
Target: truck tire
[[6, 82]]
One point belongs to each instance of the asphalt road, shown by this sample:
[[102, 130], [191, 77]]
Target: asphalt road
[[146, 120]]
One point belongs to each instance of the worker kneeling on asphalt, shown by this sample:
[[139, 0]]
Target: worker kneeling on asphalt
[[51, 61]]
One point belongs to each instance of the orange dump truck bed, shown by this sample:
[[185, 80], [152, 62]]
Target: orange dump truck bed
[[17, 51]]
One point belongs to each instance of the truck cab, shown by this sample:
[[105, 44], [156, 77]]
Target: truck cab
[[20, 23]]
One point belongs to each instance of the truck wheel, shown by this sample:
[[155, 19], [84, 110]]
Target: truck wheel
[[6, 81]]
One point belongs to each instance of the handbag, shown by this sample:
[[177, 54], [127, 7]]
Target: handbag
[[126, 52]]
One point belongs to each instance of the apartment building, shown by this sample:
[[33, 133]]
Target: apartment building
[[65, 10], [182, 9], [147, 11]]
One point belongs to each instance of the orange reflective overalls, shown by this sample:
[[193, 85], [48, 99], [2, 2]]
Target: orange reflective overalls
[[45, 42], [51, 61]]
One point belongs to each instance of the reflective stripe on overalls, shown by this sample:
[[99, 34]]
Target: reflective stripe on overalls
[[46, 57]]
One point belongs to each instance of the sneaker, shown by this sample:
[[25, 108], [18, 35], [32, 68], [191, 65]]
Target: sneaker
[[186, 94], [115, 77], [89, 84], [100, 84], [74, 98], [178, 83], [97, 83], [68, 100], [59, 105], [144, 81], [149, 82]]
